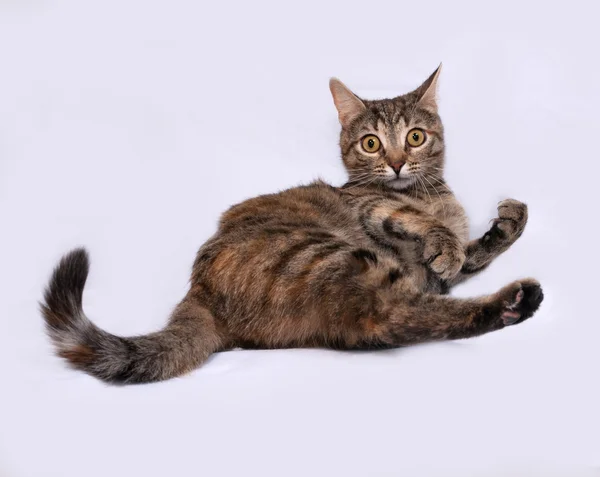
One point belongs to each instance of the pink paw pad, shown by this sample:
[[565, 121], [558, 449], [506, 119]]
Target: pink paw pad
[[510, 316]]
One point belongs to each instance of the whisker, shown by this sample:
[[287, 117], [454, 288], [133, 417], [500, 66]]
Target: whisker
[[424, 187], [438, 194], [363, 181], [443, 184]]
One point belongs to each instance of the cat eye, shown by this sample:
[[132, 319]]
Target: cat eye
[[416, 137], [371, 143]]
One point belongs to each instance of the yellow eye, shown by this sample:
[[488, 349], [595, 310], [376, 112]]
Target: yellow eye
[[416, 137], [371, 143]]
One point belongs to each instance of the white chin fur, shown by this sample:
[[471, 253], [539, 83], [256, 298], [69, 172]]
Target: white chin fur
[[400, 183]]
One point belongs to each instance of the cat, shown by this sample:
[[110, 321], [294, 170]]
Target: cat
[[363, 266]]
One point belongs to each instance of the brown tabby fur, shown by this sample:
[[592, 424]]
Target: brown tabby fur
[[365, 265]]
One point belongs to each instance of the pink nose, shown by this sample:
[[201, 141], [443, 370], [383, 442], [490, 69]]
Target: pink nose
[[397, 166]]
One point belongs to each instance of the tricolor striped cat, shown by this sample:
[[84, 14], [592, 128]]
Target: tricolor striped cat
[[366, 265]]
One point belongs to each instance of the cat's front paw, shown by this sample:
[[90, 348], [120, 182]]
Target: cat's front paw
[[511, 221], [443, 253]]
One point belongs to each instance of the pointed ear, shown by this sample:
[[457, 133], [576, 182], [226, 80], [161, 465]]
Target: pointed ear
[[427, 92], [348, 105]]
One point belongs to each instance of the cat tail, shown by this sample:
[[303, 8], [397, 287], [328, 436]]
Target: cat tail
[[188, 339]]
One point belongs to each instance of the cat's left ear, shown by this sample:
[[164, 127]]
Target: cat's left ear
[[427, 92]]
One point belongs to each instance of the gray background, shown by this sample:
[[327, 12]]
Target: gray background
[[129, 126]]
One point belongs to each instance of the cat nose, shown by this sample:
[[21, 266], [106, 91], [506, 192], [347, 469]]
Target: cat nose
[[397, 166]]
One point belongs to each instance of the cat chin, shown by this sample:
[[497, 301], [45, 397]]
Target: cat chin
[[399, 183]]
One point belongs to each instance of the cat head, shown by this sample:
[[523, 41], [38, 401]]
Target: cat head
[[394, 142]]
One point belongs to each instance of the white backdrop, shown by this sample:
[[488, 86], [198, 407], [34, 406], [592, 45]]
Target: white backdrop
[[129, 126]]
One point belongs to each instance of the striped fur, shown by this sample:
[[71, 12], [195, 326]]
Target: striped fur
[[366, 265]]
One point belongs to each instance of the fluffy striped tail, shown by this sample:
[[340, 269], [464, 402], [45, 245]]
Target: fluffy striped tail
[[188, 339]]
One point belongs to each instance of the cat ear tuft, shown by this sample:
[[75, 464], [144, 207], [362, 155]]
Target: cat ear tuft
[[427, 92], [348, 105]]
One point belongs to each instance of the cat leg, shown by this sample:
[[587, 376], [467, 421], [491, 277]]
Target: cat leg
[[406, 320], [387, 224], [506, 229]]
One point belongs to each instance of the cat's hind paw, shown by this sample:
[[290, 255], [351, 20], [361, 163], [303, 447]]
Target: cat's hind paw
[[520, 301]]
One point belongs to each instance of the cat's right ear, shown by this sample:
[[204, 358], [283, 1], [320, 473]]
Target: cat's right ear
[[348, 105], [427, 92]]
